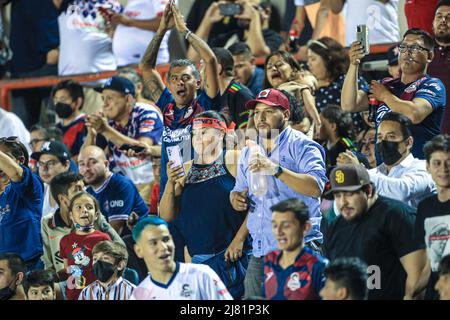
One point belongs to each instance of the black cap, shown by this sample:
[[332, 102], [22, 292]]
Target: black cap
[[119, 84], [348, 177], [392, 55], [55, 148]]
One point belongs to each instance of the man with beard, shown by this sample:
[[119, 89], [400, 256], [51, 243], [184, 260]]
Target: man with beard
[[415, 94], [116, 194], [440, 65], [378, 230], [293, 166], [68, 98]]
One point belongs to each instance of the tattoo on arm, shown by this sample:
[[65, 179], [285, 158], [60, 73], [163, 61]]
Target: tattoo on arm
[[154, 87], [151, 53]]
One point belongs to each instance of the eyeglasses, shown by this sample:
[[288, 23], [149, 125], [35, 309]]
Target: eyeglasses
[[415, 48], [49, 164]]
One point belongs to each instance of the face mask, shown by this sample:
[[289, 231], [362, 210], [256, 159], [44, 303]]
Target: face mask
[[6, 293], [388, 151], [103, 270], [87, 228], [63, 110]]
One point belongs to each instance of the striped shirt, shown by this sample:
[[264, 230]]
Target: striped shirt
[[120, 290]]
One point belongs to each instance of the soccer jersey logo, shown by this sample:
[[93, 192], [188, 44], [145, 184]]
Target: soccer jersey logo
[[186, 291], [189, 112], [294, 282]]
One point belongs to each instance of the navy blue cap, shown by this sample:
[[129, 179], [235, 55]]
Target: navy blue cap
[[119, 84], [392, 55]]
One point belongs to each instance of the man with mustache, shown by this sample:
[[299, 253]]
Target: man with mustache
[[415, 94], [440, 65], [378, 230]]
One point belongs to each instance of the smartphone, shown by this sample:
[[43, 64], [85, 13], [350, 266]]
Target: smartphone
[[174, 155], [362, 35], [136, 149], [230, 9]]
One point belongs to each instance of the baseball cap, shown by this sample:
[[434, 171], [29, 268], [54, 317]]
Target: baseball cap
[[270, 97], [119, 84], [392, 55], [348, 177], [55, 148]]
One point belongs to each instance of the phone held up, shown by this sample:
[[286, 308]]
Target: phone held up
[[174, 155], [137, 149], [230, 9], [362, 35]]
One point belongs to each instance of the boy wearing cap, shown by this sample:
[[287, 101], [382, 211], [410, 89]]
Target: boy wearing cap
[[54, 158], [167, 279], [126, 123], [377, 229], [294, 167]]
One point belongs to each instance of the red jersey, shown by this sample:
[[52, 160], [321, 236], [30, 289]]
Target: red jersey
[[77, 249]]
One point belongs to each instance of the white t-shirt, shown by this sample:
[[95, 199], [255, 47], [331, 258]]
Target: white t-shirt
[[47, 208], [11, 125], [381, 19], [129, 43], [189, 282], [85, 47]]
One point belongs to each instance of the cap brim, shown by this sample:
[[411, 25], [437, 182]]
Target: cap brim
[[346, 188], [99, 89], [36, 155], [252, 103]]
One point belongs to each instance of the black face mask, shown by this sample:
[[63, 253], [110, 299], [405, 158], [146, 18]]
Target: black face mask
[[63, 110], [6, 293], [388, 151], [103, 271]]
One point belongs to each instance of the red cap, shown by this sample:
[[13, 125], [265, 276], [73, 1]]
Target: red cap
[[270, 97]]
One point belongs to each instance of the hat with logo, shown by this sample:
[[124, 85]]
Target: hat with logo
[[348, 177], [392, 55], [55, 148], [270, 97], [119, 84]]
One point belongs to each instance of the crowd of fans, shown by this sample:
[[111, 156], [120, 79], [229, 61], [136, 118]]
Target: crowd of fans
[[304, 178]]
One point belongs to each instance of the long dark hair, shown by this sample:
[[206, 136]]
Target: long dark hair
[[333, 54], [286, 57]]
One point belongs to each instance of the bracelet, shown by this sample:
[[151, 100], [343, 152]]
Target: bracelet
[[188, 33]]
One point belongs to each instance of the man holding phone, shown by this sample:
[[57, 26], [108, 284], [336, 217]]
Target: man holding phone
[[127, 127], [415, 94]]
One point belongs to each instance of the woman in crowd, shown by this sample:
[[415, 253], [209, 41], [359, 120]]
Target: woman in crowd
[[196, 200], [328, 62], [21, 199], [283, 72]]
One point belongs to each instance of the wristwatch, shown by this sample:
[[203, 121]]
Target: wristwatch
[[279, 171]]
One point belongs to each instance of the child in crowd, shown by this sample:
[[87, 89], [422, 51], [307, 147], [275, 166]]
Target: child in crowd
[[76, 247], [40, 285]]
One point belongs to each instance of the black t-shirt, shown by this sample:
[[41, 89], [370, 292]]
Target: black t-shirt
[[433, 232], [272, 39], [380, 237], [234, 99]]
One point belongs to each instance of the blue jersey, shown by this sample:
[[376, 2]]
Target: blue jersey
[[302, 280], [118, 197], [20, 216], [430, 89], [178, 126]]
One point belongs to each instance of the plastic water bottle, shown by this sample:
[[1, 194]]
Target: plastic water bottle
[[258, 181]]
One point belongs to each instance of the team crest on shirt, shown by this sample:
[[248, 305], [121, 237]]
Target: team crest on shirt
[[411, 88], [186, 291], [189, 112], [294, 282]]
